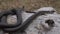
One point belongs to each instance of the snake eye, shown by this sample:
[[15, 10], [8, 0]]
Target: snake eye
[[50, 22]]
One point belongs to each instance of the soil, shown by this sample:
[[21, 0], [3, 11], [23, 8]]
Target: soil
[[29, 5]]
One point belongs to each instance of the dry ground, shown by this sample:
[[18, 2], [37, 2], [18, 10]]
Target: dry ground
[[29, 5]]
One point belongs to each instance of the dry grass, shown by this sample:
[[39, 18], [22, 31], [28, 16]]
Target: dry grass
[[29, 4]]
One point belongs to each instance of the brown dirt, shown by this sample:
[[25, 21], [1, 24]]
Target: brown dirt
[[29, 5]]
